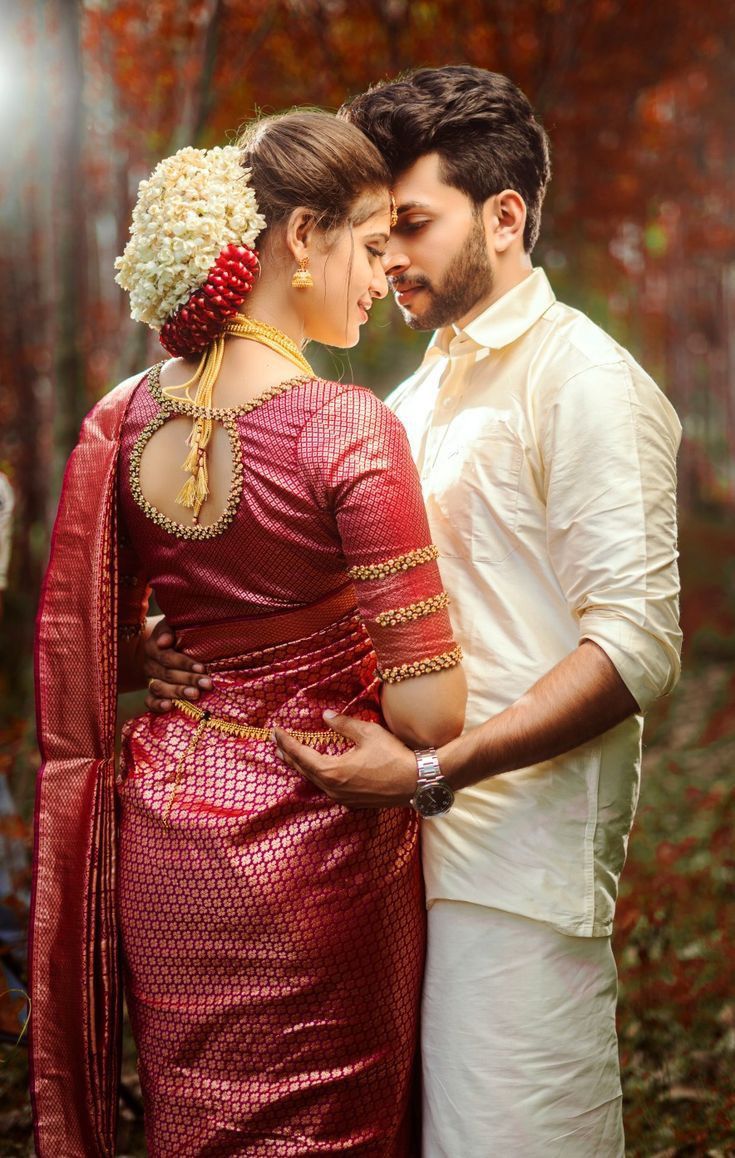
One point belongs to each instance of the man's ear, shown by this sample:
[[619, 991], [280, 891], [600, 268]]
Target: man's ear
[[299, 232], [505, 219]]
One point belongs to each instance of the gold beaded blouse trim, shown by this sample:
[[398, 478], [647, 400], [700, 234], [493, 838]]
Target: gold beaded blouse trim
[[185, 406], [412, 611], [226, 416], [398, 563], [407, 671]]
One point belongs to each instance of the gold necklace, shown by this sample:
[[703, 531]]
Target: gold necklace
[[267, 335], [195, 491]]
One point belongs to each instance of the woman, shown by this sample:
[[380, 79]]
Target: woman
[[272, 941]]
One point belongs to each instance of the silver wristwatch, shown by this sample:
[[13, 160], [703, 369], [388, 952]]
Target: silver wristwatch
[[433, 795]]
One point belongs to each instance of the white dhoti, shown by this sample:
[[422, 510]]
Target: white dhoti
[[520, 1054]]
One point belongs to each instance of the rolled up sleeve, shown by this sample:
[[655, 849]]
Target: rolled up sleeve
[[610, 445]]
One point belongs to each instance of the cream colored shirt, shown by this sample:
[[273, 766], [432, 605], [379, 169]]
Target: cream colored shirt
[[547, 457]]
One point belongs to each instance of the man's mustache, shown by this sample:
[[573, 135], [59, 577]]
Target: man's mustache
[[398, 284]]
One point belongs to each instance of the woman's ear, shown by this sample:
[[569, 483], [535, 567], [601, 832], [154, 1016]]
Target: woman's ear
[[299, 230], [505, 219]]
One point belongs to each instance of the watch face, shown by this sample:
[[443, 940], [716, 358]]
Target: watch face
[[434, 799]]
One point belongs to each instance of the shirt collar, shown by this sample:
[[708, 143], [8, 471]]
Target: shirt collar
[[503, 322]]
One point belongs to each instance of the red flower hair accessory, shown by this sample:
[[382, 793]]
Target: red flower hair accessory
[[195, 325]]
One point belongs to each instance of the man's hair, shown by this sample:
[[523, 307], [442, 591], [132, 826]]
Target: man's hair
[[481, 125]]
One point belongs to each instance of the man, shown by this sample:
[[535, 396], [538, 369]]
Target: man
[[548, 463]]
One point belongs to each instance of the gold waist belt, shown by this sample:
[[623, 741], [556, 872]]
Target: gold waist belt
[[206, 720], [247, 732]]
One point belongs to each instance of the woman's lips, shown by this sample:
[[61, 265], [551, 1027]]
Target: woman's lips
[[363, 314]]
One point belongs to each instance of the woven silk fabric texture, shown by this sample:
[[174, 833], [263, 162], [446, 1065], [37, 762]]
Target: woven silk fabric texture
[[273, 940]]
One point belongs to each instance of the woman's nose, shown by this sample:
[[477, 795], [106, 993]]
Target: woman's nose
[[379, 284]]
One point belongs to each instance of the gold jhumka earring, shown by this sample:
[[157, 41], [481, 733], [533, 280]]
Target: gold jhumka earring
[[302, 279], [393, 212]]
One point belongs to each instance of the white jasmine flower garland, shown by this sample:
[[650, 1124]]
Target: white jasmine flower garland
[[193, 205]]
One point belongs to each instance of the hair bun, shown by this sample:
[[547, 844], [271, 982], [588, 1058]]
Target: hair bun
[[189, 262]]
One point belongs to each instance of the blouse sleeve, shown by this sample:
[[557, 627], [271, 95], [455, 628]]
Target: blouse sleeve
[[132, 587], [356, 456]]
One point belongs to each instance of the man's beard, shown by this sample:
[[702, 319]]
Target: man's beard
[[467, 279]]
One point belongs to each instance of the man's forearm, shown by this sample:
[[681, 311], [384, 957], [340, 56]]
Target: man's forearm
[[579, 699]]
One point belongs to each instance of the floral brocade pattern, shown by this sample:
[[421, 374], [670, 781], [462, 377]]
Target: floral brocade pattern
[[273, 939]]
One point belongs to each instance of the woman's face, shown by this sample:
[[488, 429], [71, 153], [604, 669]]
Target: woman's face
[[346, 265]]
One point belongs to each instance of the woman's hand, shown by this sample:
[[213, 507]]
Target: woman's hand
[[171, 674], [379, 772]]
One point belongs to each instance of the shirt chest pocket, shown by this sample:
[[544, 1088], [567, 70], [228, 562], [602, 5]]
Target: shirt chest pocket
[[475, 495]]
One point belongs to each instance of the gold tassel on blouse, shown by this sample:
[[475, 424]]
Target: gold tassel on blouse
[[195, 491]]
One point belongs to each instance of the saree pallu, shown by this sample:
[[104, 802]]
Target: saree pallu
[[273, 939], [73, 942]]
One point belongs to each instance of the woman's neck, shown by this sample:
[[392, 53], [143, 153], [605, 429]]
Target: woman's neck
[[267, 303]]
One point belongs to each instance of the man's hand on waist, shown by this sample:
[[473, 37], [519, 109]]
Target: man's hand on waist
[[378, 772]]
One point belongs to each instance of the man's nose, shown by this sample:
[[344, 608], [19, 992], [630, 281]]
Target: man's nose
[[395, 261]]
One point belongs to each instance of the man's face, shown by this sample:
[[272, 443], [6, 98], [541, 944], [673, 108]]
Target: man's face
[[437, 259]]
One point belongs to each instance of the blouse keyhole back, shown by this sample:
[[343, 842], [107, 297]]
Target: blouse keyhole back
[[164, 452]]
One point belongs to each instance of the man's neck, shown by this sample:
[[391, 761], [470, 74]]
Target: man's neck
[[503, 281]]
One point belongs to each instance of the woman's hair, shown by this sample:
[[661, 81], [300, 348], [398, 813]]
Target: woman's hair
[[479, 122], [313, 159]]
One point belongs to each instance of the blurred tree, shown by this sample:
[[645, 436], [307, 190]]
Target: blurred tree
[[639, 227]]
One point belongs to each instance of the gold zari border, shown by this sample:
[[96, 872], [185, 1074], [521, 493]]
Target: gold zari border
[[413, 610], [226, 416], [407, 671], [182, 530], [185, 406], [393, 566]]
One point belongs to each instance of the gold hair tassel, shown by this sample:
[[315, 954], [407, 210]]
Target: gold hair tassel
[[195, 491]]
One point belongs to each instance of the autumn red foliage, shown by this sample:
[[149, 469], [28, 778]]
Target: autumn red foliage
[[639, 231]]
